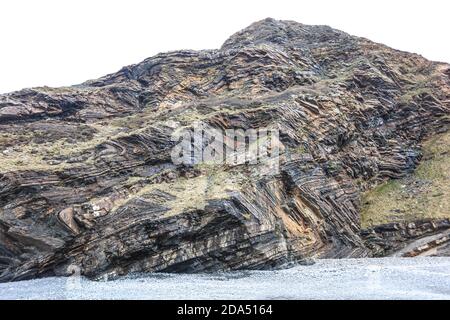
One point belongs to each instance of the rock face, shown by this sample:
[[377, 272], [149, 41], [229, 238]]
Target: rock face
[[422, 237], [87, 178]]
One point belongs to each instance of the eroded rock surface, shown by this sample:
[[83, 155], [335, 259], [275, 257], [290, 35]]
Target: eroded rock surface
[[86, 177], [428, 237]]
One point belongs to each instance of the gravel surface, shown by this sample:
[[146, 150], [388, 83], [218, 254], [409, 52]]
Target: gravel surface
[[387, 278]]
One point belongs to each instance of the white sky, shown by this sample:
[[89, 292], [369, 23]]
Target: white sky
[[64, 42]]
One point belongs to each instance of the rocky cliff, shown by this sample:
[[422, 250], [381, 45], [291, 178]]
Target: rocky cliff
[[87, 179]]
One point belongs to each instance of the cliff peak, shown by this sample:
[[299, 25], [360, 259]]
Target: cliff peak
[[283, 33]]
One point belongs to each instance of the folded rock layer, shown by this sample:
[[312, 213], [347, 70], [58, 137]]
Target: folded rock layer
[[87, 181]]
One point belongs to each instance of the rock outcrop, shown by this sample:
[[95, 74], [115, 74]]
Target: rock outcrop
[[87, 178], [416, 238]]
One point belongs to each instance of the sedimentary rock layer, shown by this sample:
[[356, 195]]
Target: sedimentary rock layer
[[87, 180]]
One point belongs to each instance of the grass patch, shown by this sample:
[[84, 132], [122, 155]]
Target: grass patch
[[192, 193], [424, 194]]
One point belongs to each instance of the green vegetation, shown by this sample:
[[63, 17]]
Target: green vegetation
[[38, 156], [424, 194], [192, 193], [410, 95]]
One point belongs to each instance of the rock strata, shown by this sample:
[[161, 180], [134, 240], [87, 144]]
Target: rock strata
[[422, 237], [87, 178]]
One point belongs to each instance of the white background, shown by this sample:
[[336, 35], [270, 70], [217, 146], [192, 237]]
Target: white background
[[64, 42]]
